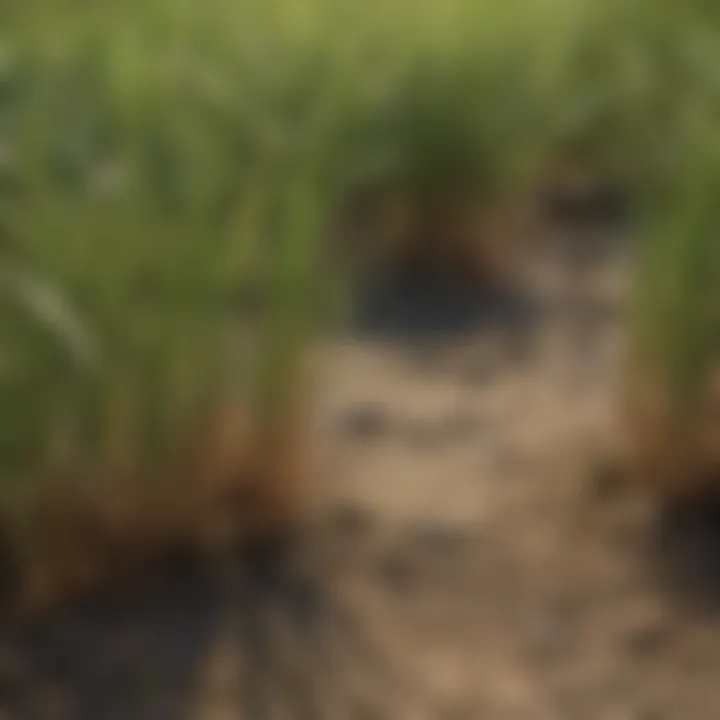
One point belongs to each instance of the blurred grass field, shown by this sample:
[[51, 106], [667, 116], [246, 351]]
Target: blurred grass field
[[158, 158]]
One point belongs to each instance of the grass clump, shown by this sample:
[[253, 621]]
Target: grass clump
[[138, 203], [673, 391], [462, 130]]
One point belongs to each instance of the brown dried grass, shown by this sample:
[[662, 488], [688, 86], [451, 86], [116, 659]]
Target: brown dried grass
[[454, 241], [673, 461], [78, 533]]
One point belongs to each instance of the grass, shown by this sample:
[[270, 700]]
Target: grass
[[676, 347], [139, 203], [157, 159], [675, 351]]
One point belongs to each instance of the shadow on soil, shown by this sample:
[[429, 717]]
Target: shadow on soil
[[301, 649], [688, 552], [416, 308], [407, 312], [134, 655]]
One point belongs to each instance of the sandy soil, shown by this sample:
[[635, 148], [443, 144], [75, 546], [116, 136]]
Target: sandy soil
[[474, 555]]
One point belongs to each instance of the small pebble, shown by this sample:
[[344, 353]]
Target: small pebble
[[608, 478], [440, 539], [648, 635], [352, 520], [367, 422], [399, 574]]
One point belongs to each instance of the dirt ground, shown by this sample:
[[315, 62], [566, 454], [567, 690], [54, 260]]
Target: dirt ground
[[474, 554]]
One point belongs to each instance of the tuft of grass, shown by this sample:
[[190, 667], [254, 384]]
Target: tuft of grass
[[464, 129], [676, 332], [145, 187], [674, 344]]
